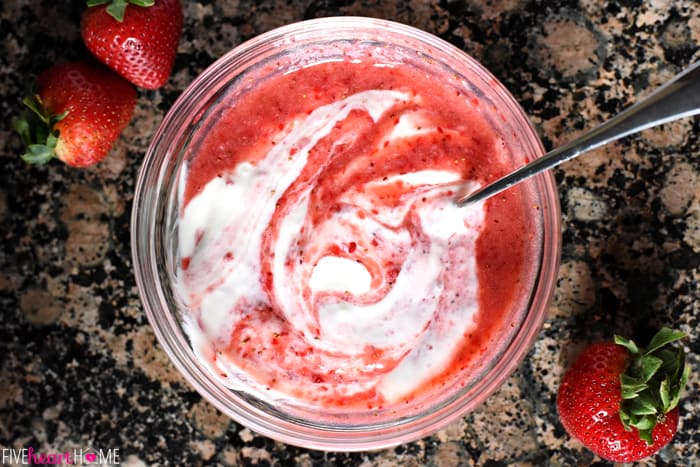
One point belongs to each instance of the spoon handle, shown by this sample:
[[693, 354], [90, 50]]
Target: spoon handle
[[676, 99]]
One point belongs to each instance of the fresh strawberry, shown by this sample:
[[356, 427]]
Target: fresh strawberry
[[621, 401], [78, 111], [138, 41]]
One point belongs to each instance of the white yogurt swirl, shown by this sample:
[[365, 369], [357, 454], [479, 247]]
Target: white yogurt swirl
[[396, 279]]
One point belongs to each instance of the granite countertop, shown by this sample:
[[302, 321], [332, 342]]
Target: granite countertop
[[80, 367]]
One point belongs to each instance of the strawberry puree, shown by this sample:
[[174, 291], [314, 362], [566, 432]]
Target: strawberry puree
[[321, 255]]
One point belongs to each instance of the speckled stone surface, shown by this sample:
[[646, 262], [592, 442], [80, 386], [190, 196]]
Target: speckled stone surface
[[79, 364]]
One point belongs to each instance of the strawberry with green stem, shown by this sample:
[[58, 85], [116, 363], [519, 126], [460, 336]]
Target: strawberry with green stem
[[77, 112], [621, 401], [136, 38]]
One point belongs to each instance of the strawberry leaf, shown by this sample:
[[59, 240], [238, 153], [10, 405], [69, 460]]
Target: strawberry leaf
[[645, 367], [663, 337], [59, 117], [642, 405], [631, 387], [625, 419], [21, 126], [647, 422], [665, 394], [684, 377], [38, 154], [628, 344], [677, 389], [35, 127], [41, 135], [673, 363], [117, 8], [34, 104], [52, 140], [646, 435]]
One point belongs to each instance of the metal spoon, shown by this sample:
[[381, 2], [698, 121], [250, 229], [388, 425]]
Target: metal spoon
[[676, 99]]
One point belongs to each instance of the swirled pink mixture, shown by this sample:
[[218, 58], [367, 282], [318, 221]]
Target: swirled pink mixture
[[321, 256]]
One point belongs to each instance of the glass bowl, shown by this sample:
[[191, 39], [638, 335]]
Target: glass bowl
[[158, 205]]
